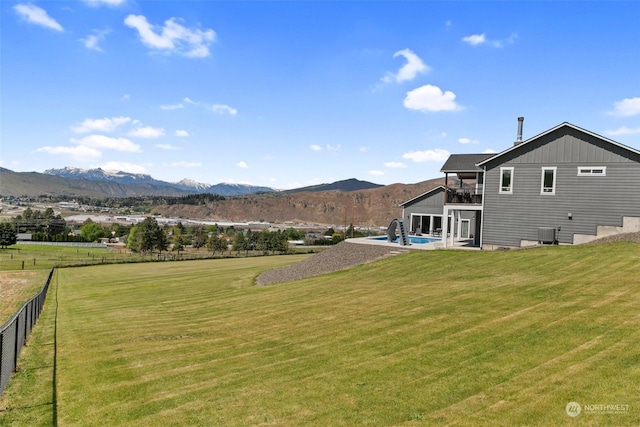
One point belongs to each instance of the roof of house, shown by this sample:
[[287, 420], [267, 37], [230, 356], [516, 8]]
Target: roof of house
[[553, 129], [464, 162], [422, 195]]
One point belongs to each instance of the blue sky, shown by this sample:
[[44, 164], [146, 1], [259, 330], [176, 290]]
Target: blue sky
[[288, 94]]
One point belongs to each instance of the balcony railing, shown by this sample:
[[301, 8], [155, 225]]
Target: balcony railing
[[464, 196]]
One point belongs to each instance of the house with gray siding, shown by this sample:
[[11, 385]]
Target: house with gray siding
[[424, 212], [566, 185]]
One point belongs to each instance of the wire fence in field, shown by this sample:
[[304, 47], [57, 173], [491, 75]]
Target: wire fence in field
[[15, 332]]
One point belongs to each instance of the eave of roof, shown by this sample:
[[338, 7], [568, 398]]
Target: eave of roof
[[422, 195], [553, 129], [463, 163]]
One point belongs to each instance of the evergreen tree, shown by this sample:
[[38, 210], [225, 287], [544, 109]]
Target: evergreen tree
[[178, 244], [8, 235], [223, 244], [213, 244], [239, 242], [147, 236]]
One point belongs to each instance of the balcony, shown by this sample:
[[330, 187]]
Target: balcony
[[464, 196]]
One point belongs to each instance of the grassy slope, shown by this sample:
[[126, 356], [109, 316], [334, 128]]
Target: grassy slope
[[500, 338], [16, 288]]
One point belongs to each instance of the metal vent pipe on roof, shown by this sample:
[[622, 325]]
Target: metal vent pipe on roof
[[519, 138]]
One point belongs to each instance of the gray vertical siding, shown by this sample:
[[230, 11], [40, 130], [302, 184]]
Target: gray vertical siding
[[432, 203], [429, 204], [592, 200]]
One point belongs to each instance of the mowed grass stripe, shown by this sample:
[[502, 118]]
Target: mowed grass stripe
[[501, 338]]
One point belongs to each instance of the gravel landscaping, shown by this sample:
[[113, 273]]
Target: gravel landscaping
[[338, 257], [626, 237]]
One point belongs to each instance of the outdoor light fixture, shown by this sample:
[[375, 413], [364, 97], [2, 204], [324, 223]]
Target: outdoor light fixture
[[570, 215]]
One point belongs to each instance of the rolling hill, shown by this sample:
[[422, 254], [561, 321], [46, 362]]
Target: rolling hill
[[369, 207]]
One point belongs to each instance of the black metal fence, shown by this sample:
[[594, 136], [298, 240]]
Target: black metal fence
[[14, 333]]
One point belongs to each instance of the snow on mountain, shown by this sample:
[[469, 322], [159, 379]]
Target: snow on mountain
[[189, 184], [103, 175], [186, 184]]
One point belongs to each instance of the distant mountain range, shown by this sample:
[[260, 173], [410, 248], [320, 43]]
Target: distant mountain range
[[104, 183], [345, 185], [186, 185], [351, 200]]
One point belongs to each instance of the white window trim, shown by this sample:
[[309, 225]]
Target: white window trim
[[582, 170], [555, 175], [510, 190]]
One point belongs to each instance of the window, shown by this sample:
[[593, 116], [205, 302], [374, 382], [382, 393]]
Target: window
[[592, 171], [548, 181], [506, 180]]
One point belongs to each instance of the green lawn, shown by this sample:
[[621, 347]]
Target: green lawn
[[423, 338], [43, 257], [16, 288]]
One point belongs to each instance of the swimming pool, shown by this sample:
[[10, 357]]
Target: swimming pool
[[415, 240]]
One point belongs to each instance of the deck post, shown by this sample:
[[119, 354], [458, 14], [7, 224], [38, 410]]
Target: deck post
[[445, 225]]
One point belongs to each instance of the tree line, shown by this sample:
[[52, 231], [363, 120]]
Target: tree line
[[149, 236], [131, 202]]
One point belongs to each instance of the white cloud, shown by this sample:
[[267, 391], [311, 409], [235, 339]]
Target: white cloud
[[92, 40], [122, 167], [12, 163], [184, 164], [509, 40], [35, 15], [430, 98], [364, 149], [333, 147], [376, 173], [172, 37], [111, 3], [623, 131], [437, 155], [126, 97], [478, 39], [627, 107], [475, 39], [410, 70], [489, 151], [315, 147], [394, 165], [167, 147], [171, 107], [242, 165], [182, 133], [223, 109], [146, 132], [216, 108], [101, 141], [468, 141], [100, 125], [79, 153]]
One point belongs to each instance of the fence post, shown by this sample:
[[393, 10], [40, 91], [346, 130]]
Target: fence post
[[1, 358], [16, 348]]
